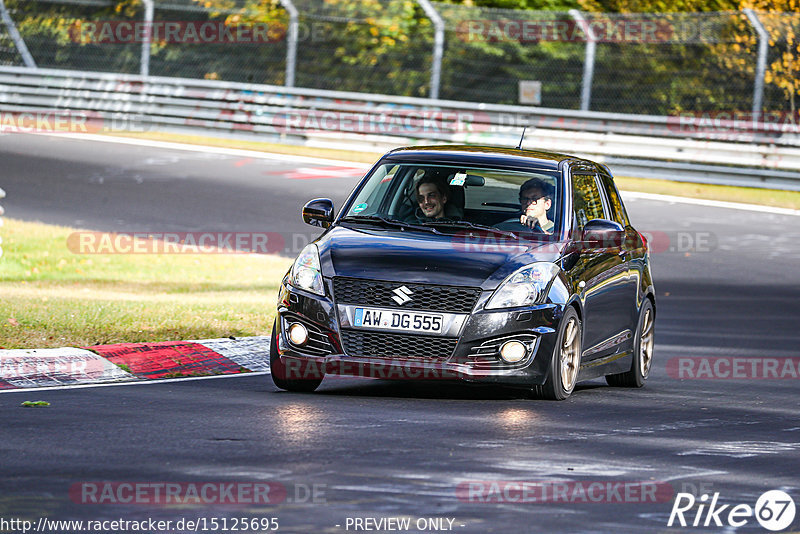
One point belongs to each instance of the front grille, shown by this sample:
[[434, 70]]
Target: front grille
[[397, 346], [446, 299]]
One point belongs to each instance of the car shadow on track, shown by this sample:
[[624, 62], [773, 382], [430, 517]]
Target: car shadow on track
[[406, 389]]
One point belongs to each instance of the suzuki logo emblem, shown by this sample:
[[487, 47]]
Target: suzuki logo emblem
[[402, 295]]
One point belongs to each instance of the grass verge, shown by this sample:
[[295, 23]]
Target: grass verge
[[748, 195], [54, 298]]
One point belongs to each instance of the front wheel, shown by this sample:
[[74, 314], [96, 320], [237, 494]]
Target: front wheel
[[277, 369], [642, 351], [565, 362]]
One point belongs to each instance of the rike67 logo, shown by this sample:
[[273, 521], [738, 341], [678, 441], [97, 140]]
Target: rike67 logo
[[774, 510]]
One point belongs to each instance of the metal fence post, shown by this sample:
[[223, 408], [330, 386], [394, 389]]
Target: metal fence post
[[147, 37], [438, 46], [761, 66], [588, 60], [291, 45], [19, 42]]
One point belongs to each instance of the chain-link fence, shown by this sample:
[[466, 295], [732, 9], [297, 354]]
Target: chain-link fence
[[254, 51], [9, 48], [489, 51], [679, 66], [783, 60], [8, 51], [51, 31], [633, 63], [382, 46]]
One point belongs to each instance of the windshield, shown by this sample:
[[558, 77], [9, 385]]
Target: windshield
[[452, 196]]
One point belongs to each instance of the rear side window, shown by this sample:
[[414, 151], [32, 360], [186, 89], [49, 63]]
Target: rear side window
[[587, 202], [617, 208]]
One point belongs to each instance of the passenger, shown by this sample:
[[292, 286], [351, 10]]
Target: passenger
[[431, 197], [535, 198]]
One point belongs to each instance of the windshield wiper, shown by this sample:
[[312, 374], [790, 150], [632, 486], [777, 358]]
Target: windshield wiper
[[467, 224], [387, 222]]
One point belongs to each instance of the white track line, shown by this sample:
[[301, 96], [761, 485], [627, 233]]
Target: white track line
[[322, 161], [711, 203], [140, 382], [239, 152]]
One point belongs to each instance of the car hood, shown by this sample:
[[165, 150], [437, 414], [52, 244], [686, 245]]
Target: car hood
[[424, 257]]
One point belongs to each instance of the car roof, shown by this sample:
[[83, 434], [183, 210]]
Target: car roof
[[480, 155]]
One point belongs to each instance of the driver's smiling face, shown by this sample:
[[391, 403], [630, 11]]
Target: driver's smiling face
[[431, 201]]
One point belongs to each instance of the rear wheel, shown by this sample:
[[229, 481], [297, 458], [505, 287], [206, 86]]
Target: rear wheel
[[642, 351], [565, 362], [277, 369]]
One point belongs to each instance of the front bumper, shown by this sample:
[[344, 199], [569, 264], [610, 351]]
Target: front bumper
[[476, 338]]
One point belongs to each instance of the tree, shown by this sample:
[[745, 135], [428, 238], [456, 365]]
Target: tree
[[737, 47], [781, 19]]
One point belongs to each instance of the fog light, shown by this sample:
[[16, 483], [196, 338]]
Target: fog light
[[513, 351], [298, 334]]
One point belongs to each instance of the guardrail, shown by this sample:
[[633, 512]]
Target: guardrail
[[749, 153]]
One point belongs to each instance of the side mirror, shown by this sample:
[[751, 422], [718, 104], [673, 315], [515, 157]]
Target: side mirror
[[602, 233], [318, 212]]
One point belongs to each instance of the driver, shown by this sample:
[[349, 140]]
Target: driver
[[535, 198], [431, 197]]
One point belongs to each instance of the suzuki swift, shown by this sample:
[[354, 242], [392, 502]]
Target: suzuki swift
[[488, 265]]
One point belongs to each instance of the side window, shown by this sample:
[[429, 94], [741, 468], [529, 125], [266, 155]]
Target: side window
[[586, 202], [612, 194]]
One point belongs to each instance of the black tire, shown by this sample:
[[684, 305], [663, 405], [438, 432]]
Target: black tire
[[642, 351], [567, 353], [277, 370]]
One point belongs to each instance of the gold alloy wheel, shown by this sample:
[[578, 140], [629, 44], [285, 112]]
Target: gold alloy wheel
[[646, 343], [570, 356]]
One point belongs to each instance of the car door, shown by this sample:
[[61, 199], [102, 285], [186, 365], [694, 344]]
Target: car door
[[629, 250], [603, 271]]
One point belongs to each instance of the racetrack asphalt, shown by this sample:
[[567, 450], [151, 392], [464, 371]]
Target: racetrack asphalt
[[726, 285]]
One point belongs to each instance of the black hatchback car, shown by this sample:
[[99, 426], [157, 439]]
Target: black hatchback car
[[489, 265]]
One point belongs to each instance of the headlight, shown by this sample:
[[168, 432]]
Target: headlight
[[306, 273], [523, 287]]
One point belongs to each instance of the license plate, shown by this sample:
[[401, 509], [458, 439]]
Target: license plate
[[429, 323]]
